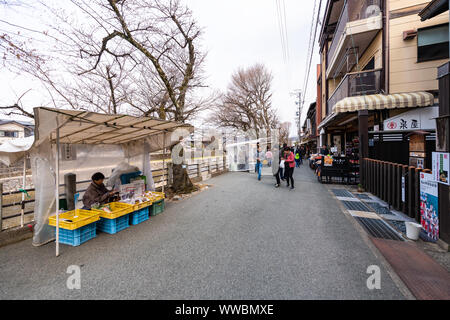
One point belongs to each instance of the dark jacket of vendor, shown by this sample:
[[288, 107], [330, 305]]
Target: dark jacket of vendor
[[96, 192]]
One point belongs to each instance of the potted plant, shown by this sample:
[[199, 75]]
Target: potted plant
[[360, 188]]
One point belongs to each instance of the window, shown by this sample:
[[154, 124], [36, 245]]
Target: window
[[370, 65], [11, 134], [432, 43]]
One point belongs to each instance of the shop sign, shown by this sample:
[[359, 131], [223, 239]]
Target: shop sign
[[68, 152], [328, 161], [429, 205], [419, 119], [441, 164]]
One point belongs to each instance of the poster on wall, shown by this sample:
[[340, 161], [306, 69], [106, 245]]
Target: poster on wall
[[429, 205], [441, 164]]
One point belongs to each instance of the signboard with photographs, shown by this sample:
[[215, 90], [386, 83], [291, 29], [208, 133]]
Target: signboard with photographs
[[441, 164], [328, 161], [137, 188], [429, 205]]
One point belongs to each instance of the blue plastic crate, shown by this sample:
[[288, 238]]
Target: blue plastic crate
[[139, 216], [78, 236], [113, 226], [126, 177]]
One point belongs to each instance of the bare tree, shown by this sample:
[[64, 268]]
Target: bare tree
[[166, 35], [284, 132], [247, 104]]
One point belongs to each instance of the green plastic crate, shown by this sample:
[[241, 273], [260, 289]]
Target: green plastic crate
[[157, 207]]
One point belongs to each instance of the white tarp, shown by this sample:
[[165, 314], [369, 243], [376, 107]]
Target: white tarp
[[14, 149]]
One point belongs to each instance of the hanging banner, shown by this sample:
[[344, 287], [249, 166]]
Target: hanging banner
[[441, 164], [429, 205], [403, 189]]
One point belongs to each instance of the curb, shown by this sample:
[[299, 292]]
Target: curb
[[15, 235]]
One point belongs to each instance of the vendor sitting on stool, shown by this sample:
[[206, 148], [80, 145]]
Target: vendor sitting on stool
[[97, 192]]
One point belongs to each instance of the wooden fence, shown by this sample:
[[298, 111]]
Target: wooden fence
[[396, 184], [11, 202]]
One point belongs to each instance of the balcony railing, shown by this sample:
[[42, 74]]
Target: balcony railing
[[353, 10], [356, 84]]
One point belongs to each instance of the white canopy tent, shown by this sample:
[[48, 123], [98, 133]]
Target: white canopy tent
[[90, 141]]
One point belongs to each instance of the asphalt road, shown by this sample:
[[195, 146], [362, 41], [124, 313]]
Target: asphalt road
[[240, 239]]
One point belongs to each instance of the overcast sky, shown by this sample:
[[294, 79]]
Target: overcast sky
[[239, 33]]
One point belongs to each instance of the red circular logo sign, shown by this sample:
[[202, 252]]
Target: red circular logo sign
[[392, 125]]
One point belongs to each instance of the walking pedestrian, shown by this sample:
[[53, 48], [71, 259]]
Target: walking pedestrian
[[289, 166], [283, 168], [269, 157], [276, 166], [297, 157], [258, 162], [302, 154]]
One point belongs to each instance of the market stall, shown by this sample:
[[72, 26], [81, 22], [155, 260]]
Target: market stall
[[82, 143], [335, 167]]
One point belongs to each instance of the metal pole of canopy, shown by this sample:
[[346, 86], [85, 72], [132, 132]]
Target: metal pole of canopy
[[164, 158], [57, 187], [24, 182]]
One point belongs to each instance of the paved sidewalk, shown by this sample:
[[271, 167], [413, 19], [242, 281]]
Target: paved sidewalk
[[240, 239]]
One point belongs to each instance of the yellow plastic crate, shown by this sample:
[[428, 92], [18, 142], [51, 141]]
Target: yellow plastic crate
[[139, 206], [78, 218], [118, 210], [155, 196]]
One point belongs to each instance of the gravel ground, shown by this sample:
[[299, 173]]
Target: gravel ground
[[239, 239]]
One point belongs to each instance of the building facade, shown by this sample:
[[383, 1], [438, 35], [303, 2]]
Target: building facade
[[378, 76], [10, 129]]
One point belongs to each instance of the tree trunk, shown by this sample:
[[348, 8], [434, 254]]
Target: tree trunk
[[181, 181]]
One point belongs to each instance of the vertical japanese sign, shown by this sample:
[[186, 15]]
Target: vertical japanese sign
[[403, 189], [441, 164], [429, 205]]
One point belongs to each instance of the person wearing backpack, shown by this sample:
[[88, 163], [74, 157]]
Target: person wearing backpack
[[297, 157]]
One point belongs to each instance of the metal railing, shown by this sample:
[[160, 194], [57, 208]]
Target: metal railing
[[353, 10], [356, 84], [396, 184]]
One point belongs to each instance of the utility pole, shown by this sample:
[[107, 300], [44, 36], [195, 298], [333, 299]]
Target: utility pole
[[298, 94]]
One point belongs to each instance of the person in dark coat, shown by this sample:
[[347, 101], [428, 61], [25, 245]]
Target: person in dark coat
[[97, 192]]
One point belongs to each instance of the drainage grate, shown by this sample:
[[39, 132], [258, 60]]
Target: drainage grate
[[356, 206], [342, 193], [363, 196], [378, 229], [399, 225], [378, 208]]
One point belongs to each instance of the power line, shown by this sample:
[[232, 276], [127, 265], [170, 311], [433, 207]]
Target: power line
[[281, 18], [280, 28], [285, 29], [311, 51]]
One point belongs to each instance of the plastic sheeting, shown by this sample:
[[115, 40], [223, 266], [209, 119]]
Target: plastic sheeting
[[84, 159], [13, 150]]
